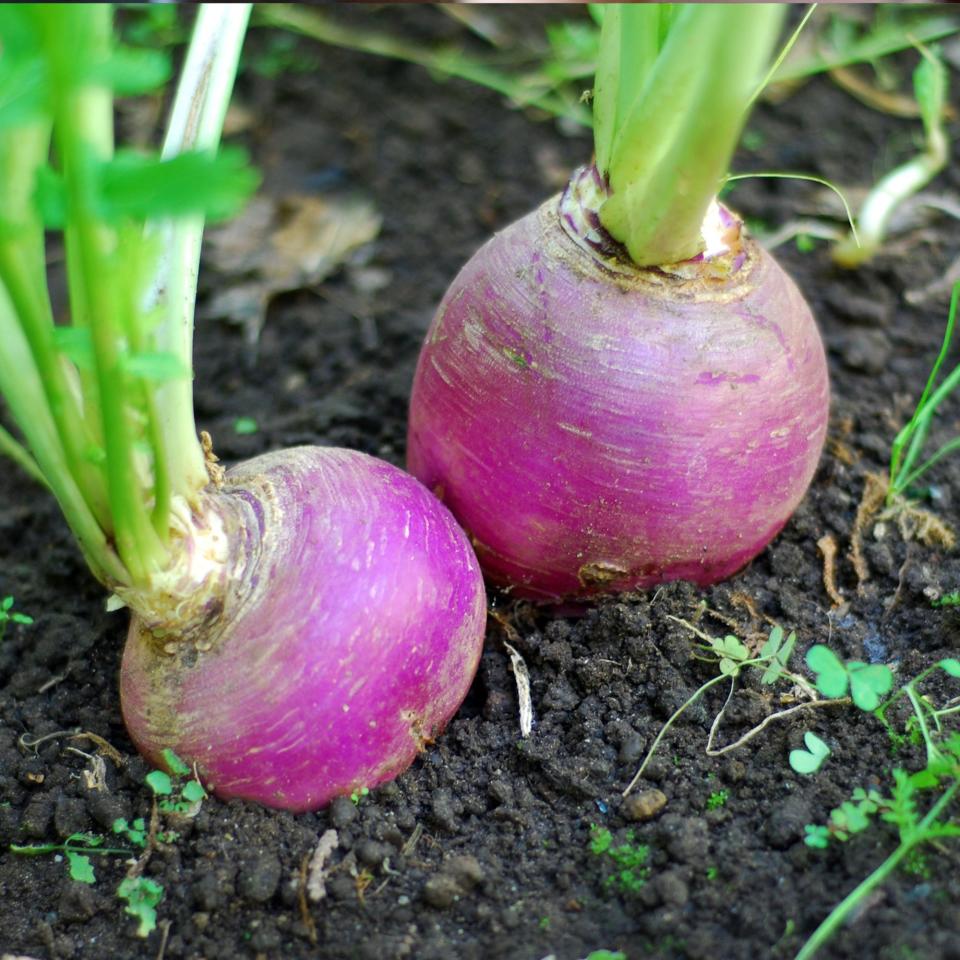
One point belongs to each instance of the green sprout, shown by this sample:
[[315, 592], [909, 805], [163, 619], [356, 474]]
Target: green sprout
[[76, 849], [142, 896], [191, 794], [628, 858], [9, 615], [717, 799], [359, 795], [947, 600], [811, 759], [909, 442]]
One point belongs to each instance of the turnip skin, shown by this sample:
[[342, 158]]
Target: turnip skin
[[597, 428], [350, 628]]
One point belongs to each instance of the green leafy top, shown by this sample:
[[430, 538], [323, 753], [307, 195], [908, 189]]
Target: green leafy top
[[673, 86], [104, 401]]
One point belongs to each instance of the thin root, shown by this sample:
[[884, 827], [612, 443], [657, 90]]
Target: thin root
[[828, 550]]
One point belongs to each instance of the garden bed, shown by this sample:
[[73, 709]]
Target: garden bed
[[485, 848]]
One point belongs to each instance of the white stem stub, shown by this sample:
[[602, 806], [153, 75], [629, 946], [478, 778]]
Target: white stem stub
[[523, 690]]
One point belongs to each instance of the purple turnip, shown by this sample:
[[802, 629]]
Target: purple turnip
[[607, 399]]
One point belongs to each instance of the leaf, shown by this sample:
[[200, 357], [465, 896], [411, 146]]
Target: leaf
[[76, 344], [930, 89], [174, 764], [81, 869], [142, 895], [159, 782], [157, 367], [810, 760], [729, 668], [130, 72], [816, 836], [869, 683], [772, 645], [213, 185], [832, 680], [193, 792], [733, 648], [950, 666]]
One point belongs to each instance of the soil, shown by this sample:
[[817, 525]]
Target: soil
[[483, 848]]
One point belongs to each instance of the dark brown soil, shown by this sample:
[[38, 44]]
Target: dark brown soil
[[503, 867]]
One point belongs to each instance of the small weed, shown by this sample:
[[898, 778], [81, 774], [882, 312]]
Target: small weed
[[359, 795], [917, 823], [544, 923], [142, 896], [717, 799], [606, 955], [76, 849], [868, 683], [629, 859], [947, 600], [189, 796], [712, 873], [244, 426], [9, 615]]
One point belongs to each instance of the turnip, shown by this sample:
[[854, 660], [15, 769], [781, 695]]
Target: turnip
[[622, 388], [302, 625]]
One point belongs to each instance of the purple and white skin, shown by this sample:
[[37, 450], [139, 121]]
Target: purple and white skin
[[598, 427], [333, 626]]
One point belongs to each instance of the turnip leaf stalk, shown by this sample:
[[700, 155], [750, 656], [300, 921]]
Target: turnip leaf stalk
[[622, 388], [281, 608]]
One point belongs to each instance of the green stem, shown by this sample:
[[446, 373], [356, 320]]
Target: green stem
[[23, 390], [674, 717], [196, 122], [83, 124], [842, 910], [673, 134], [22, 153]]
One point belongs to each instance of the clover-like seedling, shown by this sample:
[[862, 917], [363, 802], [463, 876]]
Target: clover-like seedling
[[778, 651], [811, 759], [867, 683]]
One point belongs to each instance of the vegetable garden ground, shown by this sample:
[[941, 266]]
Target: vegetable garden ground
[[483, 849]]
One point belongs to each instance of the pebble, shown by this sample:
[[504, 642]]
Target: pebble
[[441, 891], [70, 816], [631, 750], [644, 805], [343, 811], [259, 877], [36, 817], [78, 903], [786, 822], [686, 838], [672, 888], [465, 870]]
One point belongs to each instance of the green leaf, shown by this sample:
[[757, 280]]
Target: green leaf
[[930, 89], [159, 782], [244, 426], [193, 792], [772, 645], [810, 760], [81, 869], [731, 647], [869, 684], [156, 367], [832, 680], [6, 604], [213, 185], [76, 344], [174, 764], [130, 72], [729, 668], [816, 836], [950, 666], [142, 895]]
